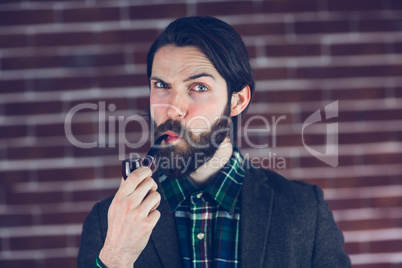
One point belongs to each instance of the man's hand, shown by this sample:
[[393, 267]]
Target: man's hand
[[132, 216]]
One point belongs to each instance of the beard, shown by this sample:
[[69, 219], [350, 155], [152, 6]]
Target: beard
[[192, 151]]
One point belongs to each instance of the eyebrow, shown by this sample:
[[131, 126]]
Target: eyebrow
[[198, 76], [187, 79]]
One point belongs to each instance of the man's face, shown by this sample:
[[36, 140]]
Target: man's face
[[188, 99]]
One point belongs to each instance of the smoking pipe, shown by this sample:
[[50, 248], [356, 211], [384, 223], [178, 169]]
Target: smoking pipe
[[131, 164]]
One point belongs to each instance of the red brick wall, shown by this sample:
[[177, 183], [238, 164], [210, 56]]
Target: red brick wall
[[55, 55]]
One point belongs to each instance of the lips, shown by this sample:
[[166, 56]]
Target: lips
[[172, 137]]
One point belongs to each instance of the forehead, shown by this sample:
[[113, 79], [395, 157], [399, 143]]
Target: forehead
[[171, 61]]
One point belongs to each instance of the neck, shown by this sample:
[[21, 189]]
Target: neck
[[205, 173]]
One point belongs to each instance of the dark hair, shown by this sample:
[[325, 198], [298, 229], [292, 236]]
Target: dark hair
[[221, 44]]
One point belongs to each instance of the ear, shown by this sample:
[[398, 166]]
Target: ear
[[240, 100]]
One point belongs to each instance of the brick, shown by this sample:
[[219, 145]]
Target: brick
[[64, 39], [53, 130], [261, 29], [289, 96], [94, 60], [12, 40], [296, 140], [127, 36], [374, 247], [119, 103], [358, 49], [367, 181], [398, 47], [34, 153], [348, 203], [394, 201], [395, 5], [286, 6], [293, 50], [354, 247], [87, 152], [385, 246], [93, 195], [369, 137], [323, 27], [158, 11], [379, 25], [63, 218], [60, 262], [10, 1], [139, 57], [7, 132], [65, 174], [113, 171], [12, 86], [358, 93], [359, 116], [9, 177], [370, 224], [272, 73], [20, 263], [348, 71], [247, 119], [15, 220], [90, 14], [30, 198], [251, 51], [37, 242], [355, 5], [382, 159], [71, 61], [376, 265], [32, 108], [62, 83], [224, 8], [140, 103], [308, 162], [24, 17], [373, 115], [123, 80]]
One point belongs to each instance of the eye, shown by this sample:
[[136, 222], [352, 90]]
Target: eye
[[200, 88], [161, 85]]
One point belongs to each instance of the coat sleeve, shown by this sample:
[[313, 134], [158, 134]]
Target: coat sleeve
[[328, 247], [92, 239]]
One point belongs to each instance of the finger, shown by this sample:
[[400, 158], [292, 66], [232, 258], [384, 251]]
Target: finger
[[154, 217], [134, 179], [151, 201], [143, 190], [155, 207], [150, 180]]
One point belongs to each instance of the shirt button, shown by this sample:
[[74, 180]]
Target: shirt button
[[200, 236], [199, 195]]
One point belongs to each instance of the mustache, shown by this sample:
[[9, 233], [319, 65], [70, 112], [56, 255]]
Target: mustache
[[170, 125]]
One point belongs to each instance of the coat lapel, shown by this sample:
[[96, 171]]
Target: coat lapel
[[165, 237], [256, 207]]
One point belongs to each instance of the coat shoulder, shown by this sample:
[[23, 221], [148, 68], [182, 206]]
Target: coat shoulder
[[282, 186]]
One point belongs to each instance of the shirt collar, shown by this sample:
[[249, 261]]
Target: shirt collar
[[224, 188]]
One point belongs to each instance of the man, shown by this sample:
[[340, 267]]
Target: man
[[207, 207]]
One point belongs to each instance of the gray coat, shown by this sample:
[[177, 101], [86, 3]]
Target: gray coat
[[283, 223]]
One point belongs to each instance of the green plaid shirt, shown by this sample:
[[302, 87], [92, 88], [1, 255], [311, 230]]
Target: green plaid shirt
[[208, 219]]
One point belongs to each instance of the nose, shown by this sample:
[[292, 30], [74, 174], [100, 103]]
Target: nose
[[177, 107]]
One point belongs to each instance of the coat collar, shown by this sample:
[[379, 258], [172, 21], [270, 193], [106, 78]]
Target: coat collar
[[255, 215], [165, 237]]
